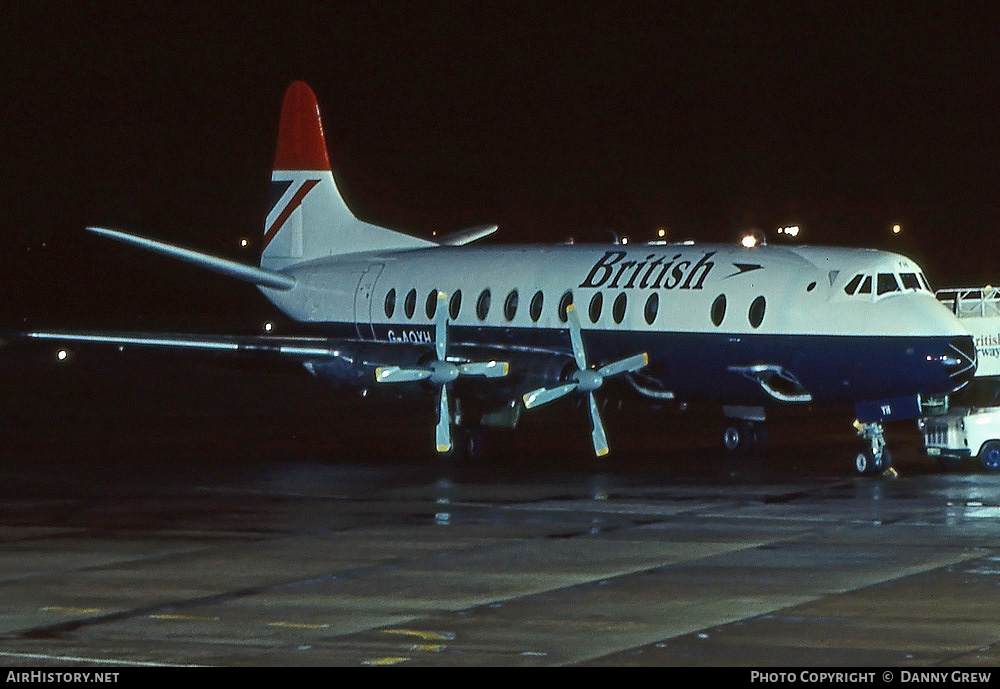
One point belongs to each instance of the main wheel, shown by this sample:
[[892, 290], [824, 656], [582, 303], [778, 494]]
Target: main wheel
[[742, 437], [989, 456], [734, 438]]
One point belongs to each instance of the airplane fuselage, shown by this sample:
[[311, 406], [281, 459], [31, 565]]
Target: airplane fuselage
[[719, 322]]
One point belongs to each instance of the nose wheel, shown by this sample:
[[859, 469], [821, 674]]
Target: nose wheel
[[869, 464], [874, 459]]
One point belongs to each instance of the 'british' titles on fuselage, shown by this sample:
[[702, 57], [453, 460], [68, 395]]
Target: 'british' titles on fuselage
[[655, 272]]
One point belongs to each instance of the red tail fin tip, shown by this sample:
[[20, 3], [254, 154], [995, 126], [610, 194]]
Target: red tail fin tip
[[300, 132]]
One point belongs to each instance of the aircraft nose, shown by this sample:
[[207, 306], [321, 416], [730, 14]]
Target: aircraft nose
[[959, 361]]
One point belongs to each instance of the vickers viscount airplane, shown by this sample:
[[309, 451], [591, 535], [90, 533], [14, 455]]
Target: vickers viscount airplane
[[492, 330]]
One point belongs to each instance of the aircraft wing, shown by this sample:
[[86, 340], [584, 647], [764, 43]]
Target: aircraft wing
[[310, 347]]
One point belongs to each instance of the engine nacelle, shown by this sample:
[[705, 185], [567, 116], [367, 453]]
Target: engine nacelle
[[354, 364]]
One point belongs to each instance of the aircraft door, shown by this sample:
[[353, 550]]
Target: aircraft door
[[363, 301], [331, 294]]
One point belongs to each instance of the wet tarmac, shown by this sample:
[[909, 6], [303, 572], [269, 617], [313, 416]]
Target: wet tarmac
[[189, 514]]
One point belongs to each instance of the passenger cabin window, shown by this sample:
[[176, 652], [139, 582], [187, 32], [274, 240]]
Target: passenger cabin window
[[535, 308], [410, 304], [430, 307], [510, 305], [618, 310], [756, 315], [483, 305], [564, 301], [718, 309], [390, 303], [651, 308], [455, 305], [596, 304]]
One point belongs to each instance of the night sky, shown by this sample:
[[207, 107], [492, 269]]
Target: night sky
[[549, 119]]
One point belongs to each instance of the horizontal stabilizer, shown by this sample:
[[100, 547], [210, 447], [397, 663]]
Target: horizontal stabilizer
[[235, 269], [467, 236]]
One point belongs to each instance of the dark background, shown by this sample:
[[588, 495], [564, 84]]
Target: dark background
[[550, 119]]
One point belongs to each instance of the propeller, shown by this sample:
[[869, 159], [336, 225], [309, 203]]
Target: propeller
[[441, 372], [585, 379]]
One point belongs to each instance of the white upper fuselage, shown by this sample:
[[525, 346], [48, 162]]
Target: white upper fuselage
[[658, 288]]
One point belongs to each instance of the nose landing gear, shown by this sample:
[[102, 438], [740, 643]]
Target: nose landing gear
[[874, 459]]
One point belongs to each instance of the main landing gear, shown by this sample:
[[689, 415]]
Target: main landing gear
[[745, 432], [467, 445], [745, 437], [875, 458]]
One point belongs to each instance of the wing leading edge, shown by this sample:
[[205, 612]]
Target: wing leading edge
[[290, 346]]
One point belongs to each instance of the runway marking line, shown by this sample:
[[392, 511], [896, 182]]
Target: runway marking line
[[389, 660], [426, 636], [84, 659], [70, 609], [185, 618], [297, 625]]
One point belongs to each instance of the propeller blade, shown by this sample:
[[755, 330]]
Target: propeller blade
[[597, 435], [441, 326], [576, 337], [442, 372], [443, 432], [395, 374], [541, 396], [630, 364], [490, 369]]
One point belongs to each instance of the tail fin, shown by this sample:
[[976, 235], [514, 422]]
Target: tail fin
[[308, 218]]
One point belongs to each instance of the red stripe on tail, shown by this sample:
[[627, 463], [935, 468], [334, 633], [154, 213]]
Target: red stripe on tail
[[292, 205]]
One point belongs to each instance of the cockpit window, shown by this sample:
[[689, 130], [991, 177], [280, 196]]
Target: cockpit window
[[910, 281], [852, 286], [887, 283]]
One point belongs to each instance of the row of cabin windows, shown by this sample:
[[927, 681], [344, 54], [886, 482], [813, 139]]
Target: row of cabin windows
[[510, 304]]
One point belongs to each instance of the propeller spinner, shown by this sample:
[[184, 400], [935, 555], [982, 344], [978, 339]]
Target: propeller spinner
[[585, 379]]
